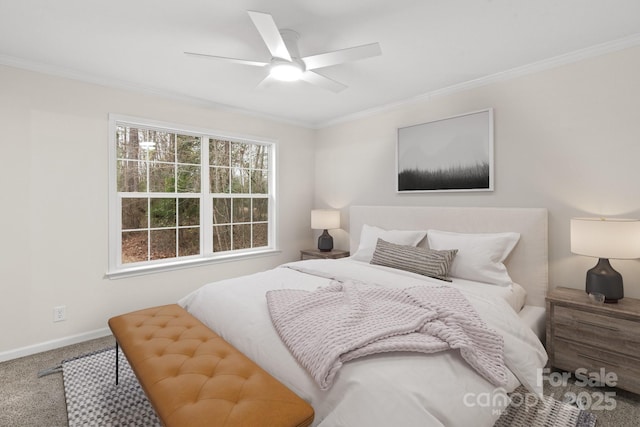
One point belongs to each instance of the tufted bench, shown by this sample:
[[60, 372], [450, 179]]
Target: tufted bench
[[193, 377]]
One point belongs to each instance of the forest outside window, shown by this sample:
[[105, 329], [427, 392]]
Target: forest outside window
[[181, 196]]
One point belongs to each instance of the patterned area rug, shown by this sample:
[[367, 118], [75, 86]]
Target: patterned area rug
[[93, 399], [527, 410]]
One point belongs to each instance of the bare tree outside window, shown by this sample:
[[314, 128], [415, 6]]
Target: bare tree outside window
[[240, 185], [183, 195]]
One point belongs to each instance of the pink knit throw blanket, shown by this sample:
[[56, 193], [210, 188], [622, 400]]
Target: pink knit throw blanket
[[344, 321]]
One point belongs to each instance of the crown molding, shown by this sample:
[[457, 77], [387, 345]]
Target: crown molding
[[546, 64], [536, 67], [66, 73]]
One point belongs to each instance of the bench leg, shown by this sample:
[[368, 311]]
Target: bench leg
[[117, 362]]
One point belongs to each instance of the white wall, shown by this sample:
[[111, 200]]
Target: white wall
[[567, 139], [54, 179]]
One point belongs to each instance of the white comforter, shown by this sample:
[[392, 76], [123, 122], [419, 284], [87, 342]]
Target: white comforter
[[391, 389]]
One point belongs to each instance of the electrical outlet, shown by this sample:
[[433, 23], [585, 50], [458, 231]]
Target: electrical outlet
[[60, 313]]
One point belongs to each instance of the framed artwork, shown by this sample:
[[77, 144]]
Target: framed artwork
[[450, 154]]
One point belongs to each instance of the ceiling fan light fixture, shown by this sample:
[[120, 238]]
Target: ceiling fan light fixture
[[286, 71], [286, 63]]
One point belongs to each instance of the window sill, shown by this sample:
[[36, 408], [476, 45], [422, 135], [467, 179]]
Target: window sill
[[177, 265]]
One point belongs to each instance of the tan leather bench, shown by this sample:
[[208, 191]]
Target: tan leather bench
[[193, 377]]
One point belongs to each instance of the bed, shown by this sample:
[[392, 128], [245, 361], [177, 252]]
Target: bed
[[400, 387]]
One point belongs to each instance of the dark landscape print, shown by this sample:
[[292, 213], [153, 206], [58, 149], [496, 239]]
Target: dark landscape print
[[451, 178], [452, 154]]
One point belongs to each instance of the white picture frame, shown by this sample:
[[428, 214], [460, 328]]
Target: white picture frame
[[453, 154]]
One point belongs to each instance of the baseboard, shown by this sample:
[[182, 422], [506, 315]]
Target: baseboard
[[53, 344]]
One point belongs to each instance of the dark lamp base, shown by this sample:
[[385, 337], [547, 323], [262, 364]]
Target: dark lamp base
[[603, 279], [325, 242]]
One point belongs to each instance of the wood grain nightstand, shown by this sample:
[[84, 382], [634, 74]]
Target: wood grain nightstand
[[317, 254], [581, 334]]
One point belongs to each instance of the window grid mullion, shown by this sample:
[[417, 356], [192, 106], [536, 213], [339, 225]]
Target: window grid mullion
[[148, 226], [206, 202], [175, 190], [231, 223], [177, 229], [124, 130]]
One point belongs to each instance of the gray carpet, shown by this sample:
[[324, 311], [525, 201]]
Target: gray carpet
[[627, 405], [29, 401]]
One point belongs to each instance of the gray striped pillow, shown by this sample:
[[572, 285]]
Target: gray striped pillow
[[427, 262]]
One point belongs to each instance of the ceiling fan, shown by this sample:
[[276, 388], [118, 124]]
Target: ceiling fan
[[286, 63]]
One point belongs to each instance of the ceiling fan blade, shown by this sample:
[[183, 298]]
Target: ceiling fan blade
[[233, 60], [269, 32], [339, 56], [266, 83], [322, 81]]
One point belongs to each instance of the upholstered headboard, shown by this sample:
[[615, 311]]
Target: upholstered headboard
[[527, 264]]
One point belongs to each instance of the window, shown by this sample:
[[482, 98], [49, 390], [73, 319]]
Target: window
[[181, 196]]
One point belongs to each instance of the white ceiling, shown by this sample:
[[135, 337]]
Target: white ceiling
[[427, 45]]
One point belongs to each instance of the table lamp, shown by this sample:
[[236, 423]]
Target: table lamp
[[325, 219], [605, 238]]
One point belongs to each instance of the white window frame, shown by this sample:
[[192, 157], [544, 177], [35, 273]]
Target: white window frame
[[117, 269]]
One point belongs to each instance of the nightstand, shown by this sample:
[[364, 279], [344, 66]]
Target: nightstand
[[317, 254], [581, 334]]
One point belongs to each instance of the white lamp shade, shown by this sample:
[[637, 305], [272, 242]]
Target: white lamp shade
[[325, 219], [614, 238]]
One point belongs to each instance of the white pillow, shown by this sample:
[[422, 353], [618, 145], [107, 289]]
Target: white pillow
[[480, 255], [370, 234]]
